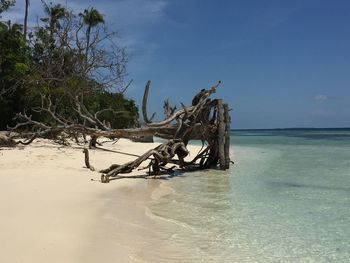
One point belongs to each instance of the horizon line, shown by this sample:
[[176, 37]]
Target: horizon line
[[292, 128]]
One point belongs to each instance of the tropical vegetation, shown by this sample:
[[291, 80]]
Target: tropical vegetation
[[67, 57]]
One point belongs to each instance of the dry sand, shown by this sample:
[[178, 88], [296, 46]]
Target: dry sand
[[51, 210]]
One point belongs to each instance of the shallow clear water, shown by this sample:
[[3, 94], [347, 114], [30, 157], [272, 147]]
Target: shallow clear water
[[286, 199]]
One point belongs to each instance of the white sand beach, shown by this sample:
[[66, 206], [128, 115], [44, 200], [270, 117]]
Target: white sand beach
[[53, 209]]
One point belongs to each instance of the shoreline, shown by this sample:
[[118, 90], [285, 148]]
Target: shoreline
[[54, 209]]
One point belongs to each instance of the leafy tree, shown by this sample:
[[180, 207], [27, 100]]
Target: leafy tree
[[66, 58], [55, 14], [70, 60], [91, 18], [13, 66], [120, 112], [6, 4]]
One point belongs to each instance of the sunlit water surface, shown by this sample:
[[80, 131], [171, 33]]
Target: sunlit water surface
[[286, 199]]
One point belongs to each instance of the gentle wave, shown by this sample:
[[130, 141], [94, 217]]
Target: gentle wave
[[156, 216], [161, 191]]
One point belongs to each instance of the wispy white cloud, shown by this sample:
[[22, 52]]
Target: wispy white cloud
[[321, 97]]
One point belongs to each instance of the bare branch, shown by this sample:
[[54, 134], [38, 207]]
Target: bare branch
[[144, 104], [189, 123]]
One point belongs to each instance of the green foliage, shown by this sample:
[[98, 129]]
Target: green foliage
[[5, 4], [12, 54], [13, 66], [52, 64], [123, 113], [92, 17]]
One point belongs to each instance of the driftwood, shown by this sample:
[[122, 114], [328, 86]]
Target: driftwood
[[162, 155], [227, 120], [221, 134], [87, 160], [206, 119], [6, 141], [147, 139]]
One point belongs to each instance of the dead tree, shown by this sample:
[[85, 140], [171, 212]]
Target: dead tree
[[206, 120]]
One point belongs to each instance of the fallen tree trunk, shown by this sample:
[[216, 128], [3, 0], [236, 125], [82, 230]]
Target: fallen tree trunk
[[87, 160], [162, 155], [206, 120]]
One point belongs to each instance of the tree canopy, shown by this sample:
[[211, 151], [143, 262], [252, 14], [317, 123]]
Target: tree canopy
[[5, 4], [66, 57]]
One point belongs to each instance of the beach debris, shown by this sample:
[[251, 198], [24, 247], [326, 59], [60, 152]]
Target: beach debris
[[207, 120], [6, 141], [87, 160]]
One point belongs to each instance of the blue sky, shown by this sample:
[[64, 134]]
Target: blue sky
[[282, 63]]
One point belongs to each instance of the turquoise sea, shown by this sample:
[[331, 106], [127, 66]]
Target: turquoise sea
[[286, 199]]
